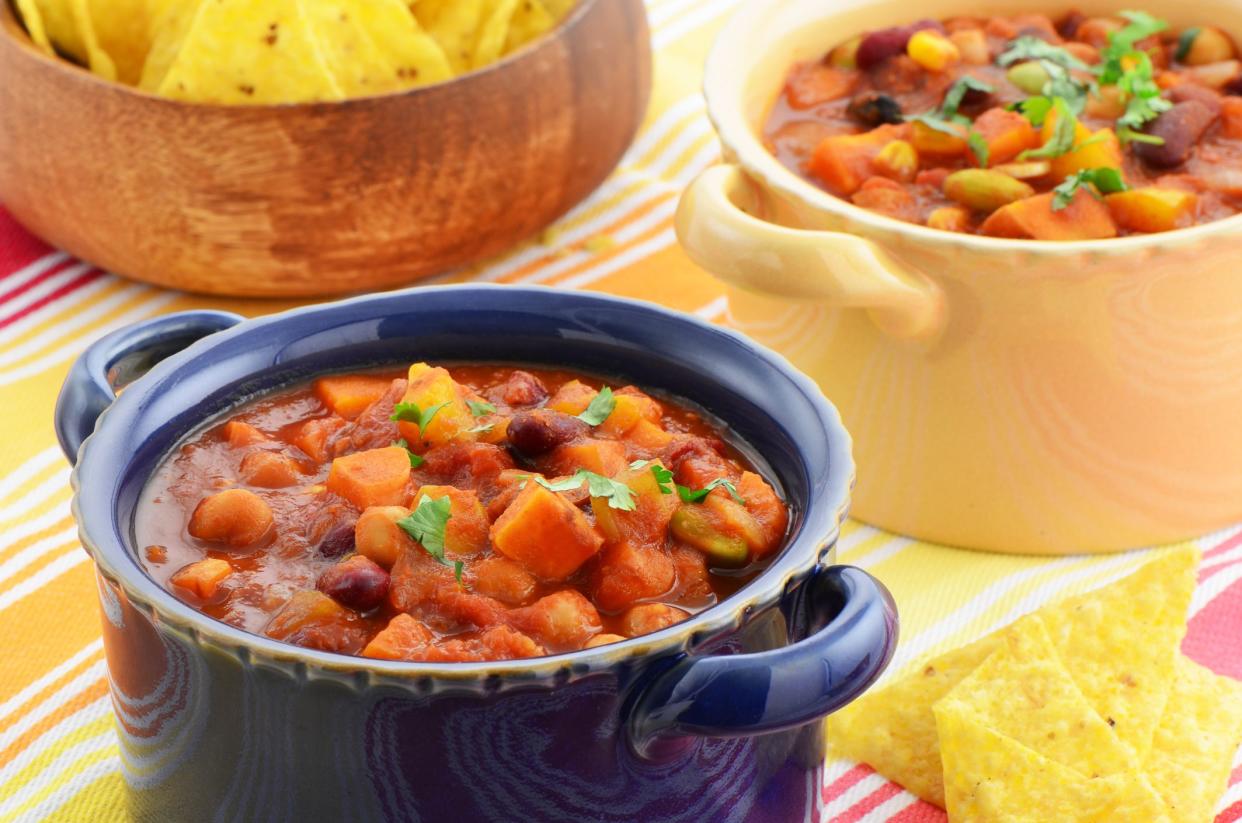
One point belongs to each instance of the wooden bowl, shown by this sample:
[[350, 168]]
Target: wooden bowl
[[323, 198]]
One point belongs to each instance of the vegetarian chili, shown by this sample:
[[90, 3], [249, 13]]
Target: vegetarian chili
[[1023, 127], [473, 513]]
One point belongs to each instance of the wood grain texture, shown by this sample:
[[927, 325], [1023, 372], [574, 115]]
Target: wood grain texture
[[319, 199]]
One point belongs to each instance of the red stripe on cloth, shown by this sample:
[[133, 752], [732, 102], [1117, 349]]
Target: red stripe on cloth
[[1213, 636], [920, 812], [72, 285], [1231, 814], [18, 247], [862, 807], [1224, 546], [839, 786], [22, 288]]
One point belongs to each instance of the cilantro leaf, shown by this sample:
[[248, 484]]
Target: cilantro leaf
[[411, 413], [1063, 134], [957, 93], [427, 523], [1140, 26], [698, 495], [945, 118], [979, 146], [664, 478], [1131, 70], [1107, 180], [600, 407], [1184, 42], [416, 460], [479, 408], [619, 495], [1026, 47], [1034, 109]]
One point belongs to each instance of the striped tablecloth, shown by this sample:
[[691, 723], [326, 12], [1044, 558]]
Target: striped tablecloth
[[58, 759]]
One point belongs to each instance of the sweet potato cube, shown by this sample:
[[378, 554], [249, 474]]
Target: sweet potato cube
[[1085, 218], [1092, 151], [465, 533], [404, 638], [545, 533], [1007, 134], [647, 522], [235, 516], [628, 573], [628, 411], [348, 395], [243, 434], [202, 578], [843, 161], [931, 142], [1152, 209], [371, 478], [649, 436], [314, 437], [429, 387], [572, 397], [606, 457]]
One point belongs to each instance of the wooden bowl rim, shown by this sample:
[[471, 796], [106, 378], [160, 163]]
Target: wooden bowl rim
[[14, 28]]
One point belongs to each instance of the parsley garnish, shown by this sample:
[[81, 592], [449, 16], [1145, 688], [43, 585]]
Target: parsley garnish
[[416, 460], [698, 495], [427, 524], [618, 494], [947, 120], [1131, 71], [1063, 134], [411, 413], [1105, 179], [479, 408], [1034, 109], [600, 407]]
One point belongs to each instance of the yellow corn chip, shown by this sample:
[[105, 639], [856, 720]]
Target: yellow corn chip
[[1120, 643], [239, 51], [531, 20], [559, 8], [991, 778], [414, 55], [351, 56], [98, 59], [61, 27], [453, 24], [1193, 748], [123, 30], [1022, 691], [171, 25], [493, 31], [32, 19], [893, 729]]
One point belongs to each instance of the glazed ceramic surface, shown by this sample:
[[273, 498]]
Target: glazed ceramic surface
[[1002, 394], [715, 719]]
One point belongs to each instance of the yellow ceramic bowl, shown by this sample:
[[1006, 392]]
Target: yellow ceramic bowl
[[1009, 395]]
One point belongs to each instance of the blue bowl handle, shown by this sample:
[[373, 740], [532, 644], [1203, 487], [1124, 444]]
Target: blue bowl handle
[[747, 694], [117, 359]]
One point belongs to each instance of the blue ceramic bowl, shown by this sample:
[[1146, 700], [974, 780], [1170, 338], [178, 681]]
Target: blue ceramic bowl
[[714, 719]]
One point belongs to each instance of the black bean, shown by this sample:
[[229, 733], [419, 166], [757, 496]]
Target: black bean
[[873, 109], [537, 432], [358, 583], [1180, 127]]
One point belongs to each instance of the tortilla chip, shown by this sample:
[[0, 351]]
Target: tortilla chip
[[123, 31], [1024, 692], [990, 777], [893, 729], [349, 52], [99, 61], [1193, 748], [32, 19], [559, 8], [60, 25], [240, 52], [170, 26], [531, 20], [415, 57], [453, 24], [1120, 643], [493, 31]]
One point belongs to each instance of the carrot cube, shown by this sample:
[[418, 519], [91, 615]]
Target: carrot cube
[[404, 638], [349, 395], [844, 161], [606, 457], [545, 533], [202, 578], [371, 478], [243, 434], [628, 573], [1085, 218], [314, 437], [1007, 134]]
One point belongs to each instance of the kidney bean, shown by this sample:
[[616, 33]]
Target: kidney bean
[[1192, 91], [524, 389], [873, 109], [539, 431], [880, 45], [1068, 25], [358, 583], [1180, 127], [338, 540]]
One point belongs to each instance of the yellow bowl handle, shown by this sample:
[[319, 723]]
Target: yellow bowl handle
[[799, 264]]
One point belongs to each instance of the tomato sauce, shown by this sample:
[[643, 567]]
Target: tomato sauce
[[477, 512]]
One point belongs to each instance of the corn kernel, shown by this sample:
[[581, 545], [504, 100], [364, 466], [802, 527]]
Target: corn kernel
[[898, 160], [950, 218], [932, 51]]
